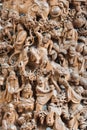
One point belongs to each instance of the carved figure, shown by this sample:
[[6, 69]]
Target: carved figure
[[1, 92], [12, 87], [21, 37], [27, 101], [42, 92], [9, 119], [75, 107]]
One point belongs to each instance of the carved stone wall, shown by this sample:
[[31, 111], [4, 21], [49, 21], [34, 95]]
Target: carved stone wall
[[43, 65]]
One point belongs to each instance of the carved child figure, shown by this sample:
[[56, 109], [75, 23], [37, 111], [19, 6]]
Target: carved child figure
[[75, 60], [12, 87], [9, 118], [55, 118], [21, 37], [5, 69], [75, 106], [43, 93], [8, 31], [70, 34], [59, 8], [26, 100], [4, 14], [23, 57]]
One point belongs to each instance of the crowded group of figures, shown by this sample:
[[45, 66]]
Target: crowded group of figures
[[43, 65]]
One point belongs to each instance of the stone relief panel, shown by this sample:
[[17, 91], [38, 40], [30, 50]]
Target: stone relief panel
[[43, 65]]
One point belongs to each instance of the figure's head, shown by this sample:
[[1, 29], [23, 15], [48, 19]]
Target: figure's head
[[54, 99], [61, 57], [72, 51], [68, 25], [10, 107], [19, 27], [12, 74], [14, 14], [80, 90], [46, 37], [75, 78], [4, 14], [40, 80], [26, 91], [21, 108], [5, 68]]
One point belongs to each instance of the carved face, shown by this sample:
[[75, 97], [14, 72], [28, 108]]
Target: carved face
[[11, 107], [26, 92], [21, 120], [4, 14], [4, 71], [80, 90], [75, 78], [40, 81], [46, 38], [54, 99], [28, 107], [72, 51], [14, 14], [79, 21], [69, 25], [20, 108]]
